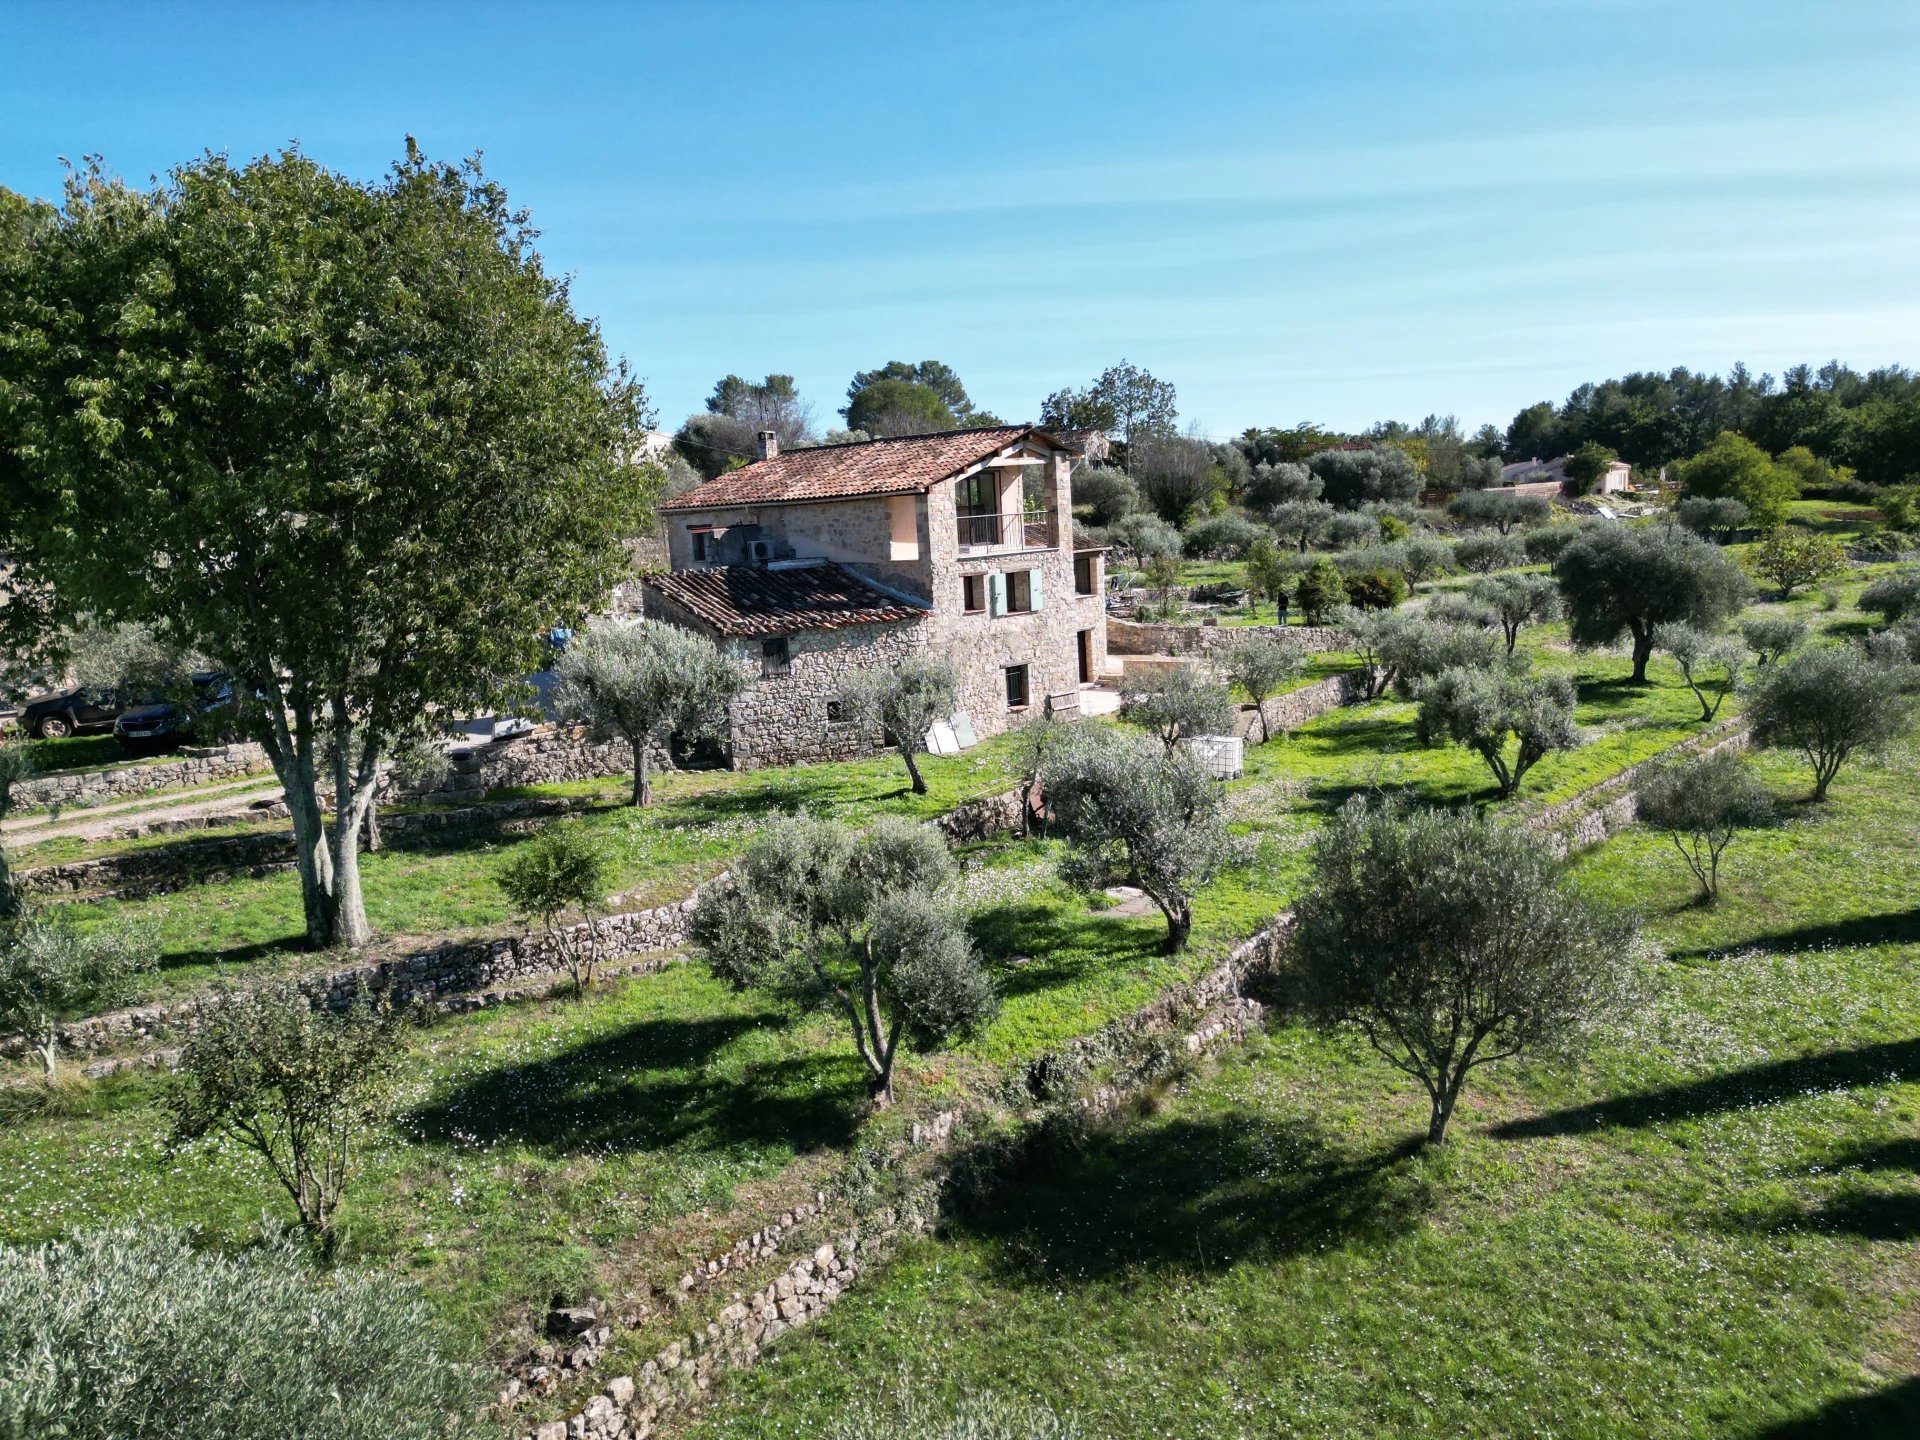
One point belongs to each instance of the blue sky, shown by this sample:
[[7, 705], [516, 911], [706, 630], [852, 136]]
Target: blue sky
[[1337, 212]]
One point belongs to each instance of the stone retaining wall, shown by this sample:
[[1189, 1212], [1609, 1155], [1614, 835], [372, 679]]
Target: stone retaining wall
[[456, 967], [1295, 708], [548, 755], [1612, 805], [1130, 637], [195, 765]]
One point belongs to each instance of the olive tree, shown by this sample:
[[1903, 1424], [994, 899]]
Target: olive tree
[[1173, 701], [1302, 521], [1515, 601], [1418, 652], [49, 969], [1450, 942], [1771, 637], [348, 440], [1381, 640], [1719, 518], [645, 684], [825, 914], [902, 702], [131, 1333], [297, 1084], [1893, 597], [1696, 653], [1258, 665], [1501, 510], [1134, 812], [1489, 711], [562, 872], [1485, 552], [1423, 558], [1828, 704], [1621, 580], [1702, 804], [1030, 746]]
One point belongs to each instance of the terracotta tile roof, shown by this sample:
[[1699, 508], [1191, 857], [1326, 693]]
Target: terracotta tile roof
[[905, 464], [749, 600]]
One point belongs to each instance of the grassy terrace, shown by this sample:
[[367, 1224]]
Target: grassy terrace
[[700, 820], [1703, 1230], [561, 1148]]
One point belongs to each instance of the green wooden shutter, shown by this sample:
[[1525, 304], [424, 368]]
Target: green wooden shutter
[[996, 594], [1033, 588]]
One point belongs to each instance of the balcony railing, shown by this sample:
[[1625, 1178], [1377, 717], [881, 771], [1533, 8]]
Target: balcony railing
[[1031, 530]]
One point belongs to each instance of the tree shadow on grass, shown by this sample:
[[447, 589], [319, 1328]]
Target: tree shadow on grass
[[1195, 1196], [1064, 945], [1755, 1086], [1883, 1415], [1899, 927], [650, 1087], [1858, 1210]]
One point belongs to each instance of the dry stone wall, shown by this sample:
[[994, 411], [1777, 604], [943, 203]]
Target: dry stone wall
[[196, 765], [1130, 637]]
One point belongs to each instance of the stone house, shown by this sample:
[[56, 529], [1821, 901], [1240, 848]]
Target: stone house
[[807, 565], [1549, 478]]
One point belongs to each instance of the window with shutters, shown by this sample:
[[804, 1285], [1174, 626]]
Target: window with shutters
[[1019, 592], [774, 660], [973, 593]]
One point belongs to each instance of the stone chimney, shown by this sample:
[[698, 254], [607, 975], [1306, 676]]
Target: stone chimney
[[769, 444]]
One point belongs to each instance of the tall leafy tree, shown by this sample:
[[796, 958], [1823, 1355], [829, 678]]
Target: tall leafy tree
[[1126, 401], [1619, 580], [770, 404], [899, 407], [1735, 468], [929, 374], [349, 440]]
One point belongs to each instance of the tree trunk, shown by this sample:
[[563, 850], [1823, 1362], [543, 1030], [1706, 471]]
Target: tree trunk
[[1179, 926], [1442, 1112], [49, 1048], [311, 857], [1642, 652], [372, 828], [919, 784], [642, 779]]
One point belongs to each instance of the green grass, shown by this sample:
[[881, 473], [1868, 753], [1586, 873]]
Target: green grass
[[1704, 1228]]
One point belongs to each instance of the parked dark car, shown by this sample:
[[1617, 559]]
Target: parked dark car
[[72, 712], [166, 724]]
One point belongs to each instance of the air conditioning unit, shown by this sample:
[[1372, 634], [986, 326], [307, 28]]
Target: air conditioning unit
[[759, 552]]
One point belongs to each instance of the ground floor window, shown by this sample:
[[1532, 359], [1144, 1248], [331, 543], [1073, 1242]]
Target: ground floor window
[[1016, 687]]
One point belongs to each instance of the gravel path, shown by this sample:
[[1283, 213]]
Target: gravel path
[[100, 822]]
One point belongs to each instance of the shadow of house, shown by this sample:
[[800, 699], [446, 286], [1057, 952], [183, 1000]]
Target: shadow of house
[[1892, 1413], [1900, 927], [1867, 1211], [653, 1086], [1189, 1195], [1750, 1088]]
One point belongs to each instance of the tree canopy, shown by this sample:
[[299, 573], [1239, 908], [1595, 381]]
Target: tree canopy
[[1450, 942], [1622, 580], [1734, 468], [930, 375], [348, 440], [898, 407]]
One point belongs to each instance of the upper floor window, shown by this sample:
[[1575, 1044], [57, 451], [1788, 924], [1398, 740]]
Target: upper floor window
[[702, 545], [973, 593], [1086, 574], [774, 659], [1019, 592]]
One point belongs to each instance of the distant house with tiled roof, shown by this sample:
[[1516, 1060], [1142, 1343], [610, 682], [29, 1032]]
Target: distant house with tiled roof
[[806, 565], [1549, 477]]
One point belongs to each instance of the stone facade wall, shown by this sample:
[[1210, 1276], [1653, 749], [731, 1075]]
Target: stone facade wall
[[1130, 637], [196, 765], [785, 721]]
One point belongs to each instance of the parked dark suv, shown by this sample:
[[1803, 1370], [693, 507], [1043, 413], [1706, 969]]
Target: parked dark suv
[[159, 726], [72, 712]]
